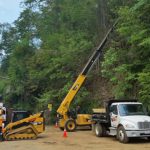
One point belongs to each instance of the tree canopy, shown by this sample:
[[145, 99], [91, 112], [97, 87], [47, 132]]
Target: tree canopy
[[45, 49]]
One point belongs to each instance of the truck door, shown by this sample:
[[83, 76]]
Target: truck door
[[114, 115]]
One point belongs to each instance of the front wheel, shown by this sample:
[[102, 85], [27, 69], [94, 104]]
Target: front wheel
[[121, 135], [70, 125]]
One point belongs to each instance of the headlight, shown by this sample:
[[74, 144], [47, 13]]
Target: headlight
[[129, 126]]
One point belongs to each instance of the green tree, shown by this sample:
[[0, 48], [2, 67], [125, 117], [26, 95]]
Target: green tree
[[127, 62], [47, 48]]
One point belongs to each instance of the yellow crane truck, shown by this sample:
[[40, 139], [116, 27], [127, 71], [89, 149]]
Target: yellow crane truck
[[15, 125], [69, 120]]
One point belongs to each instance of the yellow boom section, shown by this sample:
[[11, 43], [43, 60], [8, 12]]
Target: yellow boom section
[[63, 108]]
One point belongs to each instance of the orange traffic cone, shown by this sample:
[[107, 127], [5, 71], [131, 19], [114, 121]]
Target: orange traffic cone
[[56, 125], [3, 127], [65, 133]]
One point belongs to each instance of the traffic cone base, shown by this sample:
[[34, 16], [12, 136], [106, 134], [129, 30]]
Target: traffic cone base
[[65, 133]]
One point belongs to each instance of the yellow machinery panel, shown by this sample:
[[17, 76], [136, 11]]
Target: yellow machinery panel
[[83, 119], [25, 128]]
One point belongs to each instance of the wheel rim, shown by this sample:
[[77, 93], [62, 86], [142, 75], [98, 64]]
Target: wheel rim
[[121, 135], [71, 125]]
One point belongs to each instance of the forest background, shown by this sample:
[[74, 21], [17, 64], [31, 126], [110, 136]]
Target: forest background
[[45, 49]]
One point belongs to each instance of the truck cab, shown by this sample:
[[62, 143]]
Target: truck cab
[[123, 119]]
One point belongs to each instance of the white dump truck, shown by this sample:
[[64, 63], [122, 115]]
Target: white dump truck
[[124, 119]]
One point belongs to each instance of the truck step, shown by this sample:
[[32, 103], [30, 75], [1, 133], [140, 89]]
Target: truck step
[[113, 131]]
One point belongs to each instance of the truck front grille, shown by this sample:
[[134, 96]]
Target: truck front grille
[[144, 125]]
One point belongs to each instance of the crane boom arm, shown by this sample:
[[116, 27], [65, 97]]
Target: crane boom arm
[[64, 106]]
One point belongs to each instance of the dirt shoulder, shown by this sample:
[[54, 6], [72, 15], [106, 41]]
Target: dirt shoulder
[[53, 139]]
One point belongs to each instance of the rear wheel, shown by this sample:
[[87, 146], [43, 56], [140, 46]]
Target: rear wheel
[[121, 135], [100, 130], [70, 125]]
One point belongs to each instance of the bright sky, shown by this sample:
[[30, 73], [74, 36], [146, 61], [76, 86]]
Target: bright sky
[[9, 10]]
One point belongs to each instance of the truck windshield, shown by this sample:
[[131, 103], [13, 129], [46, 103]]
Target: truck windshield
[[131, 109]]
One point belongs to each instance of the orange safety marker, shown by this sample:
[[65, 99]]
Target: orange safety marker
[[65, 133], [3, 127]]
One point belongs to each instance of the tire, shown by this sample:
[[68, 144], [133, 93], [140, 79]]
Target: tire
[[100, 130], [70, 125], [121, 135]]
